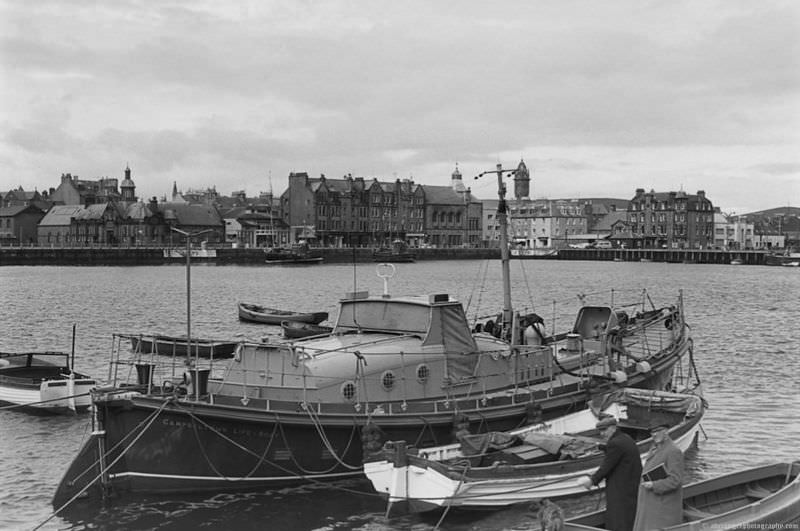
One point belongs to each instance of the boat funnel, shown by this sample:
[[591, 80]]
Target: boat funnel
[[199, 381], [144, 373]]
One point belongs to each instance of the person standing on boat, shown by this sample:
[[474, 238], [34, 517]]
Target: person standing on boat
[[661, 492], [533, 330], [622, 470]]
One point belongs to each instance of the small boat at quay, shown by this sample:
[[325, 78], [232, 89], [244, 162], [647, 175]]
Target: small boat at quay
[[43, 382], [764, 497], [255, 313], [393, 368], [535, 462], [398, 252], [298, 253], [295, 330], [787, 259], [176, 346]]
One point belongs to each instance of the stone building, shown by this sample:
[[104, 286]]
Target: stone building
[[18, 224], [673, 220], [351, 211]]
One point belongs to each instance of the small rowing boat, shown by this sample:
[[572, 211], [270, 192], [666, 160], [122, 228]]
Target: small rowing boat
[[765, 497], [538, 461], [43, 382], [261, 314], [176, 346], [295, 330]]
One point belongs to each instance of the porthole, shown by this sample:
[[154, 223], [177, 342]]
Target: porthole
[[348, 390], [387, 380], [423, 373]]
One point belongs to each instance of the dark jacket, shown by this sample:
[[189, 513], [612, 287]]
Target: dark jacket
[[622, 470]]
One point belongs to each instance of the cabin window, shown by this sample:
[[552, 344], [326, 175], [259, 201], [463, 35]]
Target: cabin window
[[348, 390], [387, 380], [423, 373]]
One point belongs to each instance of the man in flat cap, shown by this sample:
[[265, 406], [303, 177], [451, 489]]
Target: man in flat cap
[[622, 470], [661, 492]]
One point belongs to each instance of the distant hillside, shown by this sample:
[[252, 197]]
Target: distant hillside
[[772, 212]]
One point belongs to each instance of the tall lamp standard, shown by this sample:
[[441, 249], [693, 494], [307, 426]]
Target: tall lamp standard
[[189, 237]]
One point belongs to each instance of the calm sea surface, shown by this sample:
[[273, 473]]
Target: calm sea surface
[[745, 322]]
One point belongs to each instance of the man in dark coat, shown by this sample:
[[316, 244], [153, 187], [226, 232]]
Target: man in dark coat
[[622, 470]]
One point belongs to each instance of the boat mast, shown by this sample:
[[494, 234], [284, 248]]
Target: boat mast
[[502, 216]]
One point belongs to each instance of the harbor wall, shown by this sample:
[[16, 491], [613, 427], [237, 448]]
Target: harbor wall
[[226, 255], [675, 256]]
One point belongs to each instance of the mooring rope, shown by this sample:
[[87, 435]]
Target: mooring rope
[[261, 459]]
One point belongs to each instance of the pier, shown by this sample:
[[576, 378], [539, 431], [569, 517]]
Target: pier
[[675, 256]]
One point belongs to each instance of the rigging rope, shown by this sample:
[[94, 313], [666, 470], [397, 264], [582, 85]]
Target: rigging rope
[[152, 418]]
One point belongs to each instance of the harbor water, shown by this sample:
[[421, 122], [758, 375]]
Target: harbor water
[[744, 322]]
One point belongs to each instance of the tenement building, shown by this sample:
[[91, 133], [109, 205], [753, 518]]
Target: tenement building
[[352, 211], [672, 220]]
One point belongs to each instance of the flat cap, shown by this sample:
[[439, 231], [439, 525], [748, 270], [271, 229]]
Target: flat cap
[[605, 422]]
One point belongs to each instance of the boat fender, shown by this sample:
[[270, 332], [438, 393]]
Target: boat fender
[[643, 366], [619, 376]]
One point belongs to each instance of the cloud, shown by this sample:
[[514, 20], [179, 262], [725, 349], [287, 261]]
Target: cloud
[[598, 96]]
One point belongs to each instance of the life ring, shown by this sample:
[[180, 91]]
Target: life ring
[[167, 387]]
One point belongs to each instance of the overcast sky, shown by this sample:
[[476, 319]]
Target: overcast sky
[[598, 98]]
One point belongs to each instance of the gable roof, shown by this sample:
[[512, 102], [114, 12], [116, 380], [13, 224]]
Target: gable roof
[[60, 215], [606, 222], [12, 211], [190, 214], [445, 195]]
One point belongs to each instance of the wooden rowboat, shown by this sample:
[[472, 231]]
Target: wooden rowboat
[[176, 346], [295, 330], [260, 314], [765, 497], [43, 382], [530, 463]]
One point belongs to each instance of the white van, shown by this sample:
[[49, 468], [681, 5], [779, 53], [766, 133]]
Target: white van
[[603, 244]]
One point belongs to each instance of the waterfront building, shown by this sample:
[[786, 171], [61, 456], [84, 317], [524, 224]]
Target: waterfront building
[[75, 191], [452, 215], [18, 224], [353, 211], [20, 197], [732, 232], [490, 225], [55, 228], [674, 220], [192, 218], [546, 223], [256, 225]]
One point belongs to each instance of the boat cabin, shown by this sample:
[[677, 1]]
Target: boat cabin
[[437, 319]]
